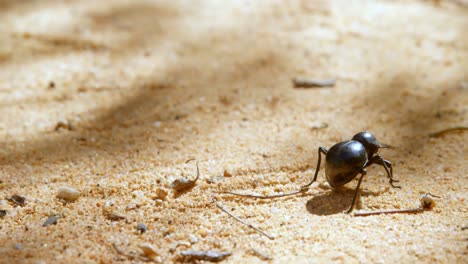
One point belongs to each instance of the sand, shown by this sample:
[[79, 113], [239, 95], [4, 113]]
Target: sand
[[111, 98]]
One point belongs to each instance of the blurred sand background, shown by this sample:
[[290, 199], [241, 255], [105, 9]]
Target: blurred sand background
[[112, 97]]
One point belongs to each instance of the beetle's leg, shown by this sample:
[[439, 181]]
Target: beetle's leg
[[320, 151], [389, 165], [377, 159], [363, 173]]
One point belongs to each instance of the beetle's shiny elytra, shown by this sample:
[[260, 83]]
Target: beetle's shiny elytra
[[345, 160]]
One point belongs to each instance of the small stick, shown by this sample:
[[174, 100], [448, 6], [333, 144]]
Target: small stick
[[411, 211], [268, 196], [426, 204], [453, 129], [241, 221], [312, 83]]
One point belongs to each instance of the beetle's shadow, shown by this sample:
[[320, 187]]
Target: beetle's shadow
[[330, 202], [335, 201]]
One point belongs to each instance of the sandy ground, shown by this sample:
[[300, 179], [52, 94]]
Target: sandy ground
[[139, 87]]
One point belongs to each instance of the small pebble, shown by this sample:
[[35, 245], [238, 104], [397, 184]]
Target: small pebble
[[175, 245], [142, 228], [215, 179], [64, 125], [193, 239], [203, 232], [114, 216], [260, 255], [148, 250], [274, 210], [108, 204], [317, 125], [50, 221], [161, 193], [427, 202], [227, 172], [182, 184], [209, 255], [464, 85], [68, 194], [157, 124], [16, 199], [2, 213]]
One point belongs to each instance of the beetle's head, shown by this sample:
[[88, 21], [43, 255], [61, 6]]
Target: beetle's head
[[371, 144]]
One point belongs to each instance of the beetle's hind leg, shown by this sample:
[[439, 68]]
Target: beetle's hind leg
[[321, 150], [363, 173], [377, 159]]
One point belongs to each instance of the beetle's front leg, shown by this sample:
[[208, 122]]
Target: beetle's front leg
[[377, 159]]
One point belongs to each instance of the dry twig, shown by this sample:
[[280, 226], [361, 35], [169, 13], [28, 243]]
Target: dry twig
[[241, 221], [448, 130], [268, 196], [426, 201], [313, 83]]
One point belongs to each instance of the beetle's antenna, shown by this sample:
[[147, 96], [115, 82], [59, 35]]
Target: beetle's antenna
[[383, 145]]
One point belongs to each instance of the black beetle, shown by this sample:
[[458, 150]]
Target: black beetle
[[343, 162]]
